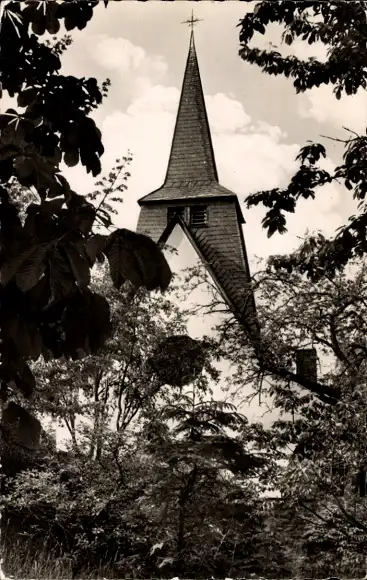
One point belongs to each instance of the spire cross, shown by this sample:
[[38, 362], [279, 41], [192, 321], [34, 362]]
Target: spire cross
[[192, 21]]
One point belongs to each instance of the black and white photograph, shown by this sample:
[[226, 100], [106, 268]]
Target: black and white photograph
[[183, 290]]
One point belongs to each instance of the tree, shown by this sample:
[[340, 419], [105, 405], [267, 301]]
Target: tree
[[167, 447], [319, 441], [203, 491], [321, 446], [47, 306], [110, 388], [341, 28]]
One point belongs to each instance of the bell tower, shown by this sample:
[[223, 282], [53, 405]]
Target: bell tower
[[191, 196]]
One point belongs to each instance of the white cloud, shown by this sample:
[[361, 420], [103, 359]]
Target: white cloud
[[131, 69], [226, 114], [119, 54], [350, 111], [250, 157], [301, 49]]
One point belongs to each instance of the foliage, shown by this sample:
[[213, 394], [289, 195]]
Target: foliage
[[151, 472], [317, 447], [204, 488], [46, 258], [111, 387], [341, 28], [320, 447], [140, 495]]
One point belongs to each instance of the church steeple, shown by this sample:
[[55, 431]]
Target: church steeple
[[192, 155], [191, 196]]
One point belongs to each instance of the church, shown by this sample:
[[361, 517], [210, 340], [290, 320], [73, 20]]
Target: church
[[191, 197], [208, 214]]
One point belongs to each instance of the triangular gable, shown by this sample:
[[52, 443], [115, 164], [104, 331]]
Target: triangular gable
[[232, 282]]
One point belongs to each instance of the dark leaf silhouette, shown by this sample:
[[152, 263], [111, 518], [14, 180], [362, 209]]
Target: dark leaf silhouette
[[20, 426], [178, 360], [95, 246], [136, 258]]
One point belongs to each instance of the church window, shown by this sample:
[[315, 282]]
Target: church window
[[172, 212], [199, 216]]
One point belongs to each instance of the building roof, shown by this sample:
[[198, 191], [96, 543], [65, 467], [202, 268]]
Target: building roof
[[231, 278], [192, 178], [192, 155], [191, 172], [191, 191]]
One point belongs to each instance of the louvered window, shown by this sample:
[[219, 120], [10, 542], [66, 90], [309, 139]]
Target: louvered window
[[174, 211], [198, 216]]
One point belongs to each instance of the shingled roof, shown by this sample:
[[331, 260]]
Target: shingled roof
[[231, 278], [192, 155], [192, 181], [191, 172]]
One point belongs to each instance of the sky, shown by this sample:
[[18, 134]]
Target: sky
[[258, 122]]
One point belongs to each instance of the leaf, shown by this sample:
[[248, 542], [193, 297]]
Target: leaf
[[23, 428], [166, 561], [39, 23], [122, 261], [151, 260], [73, 135], [61, 278], [18, 372], [71, 158], [158, 546], [52, 207], [52, 23], [100, 327], [84, 213], [36, 343], [79, 266], [30, 271], [15, 329], [86, 323], [11, 264], [24, 166], [288, 39], [39, 296], [27, 97], [95, 246], [136, 258]]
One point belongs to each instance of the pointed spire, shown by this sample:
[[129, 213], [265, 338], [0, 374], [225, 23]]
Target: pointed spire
[[192, 155]]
